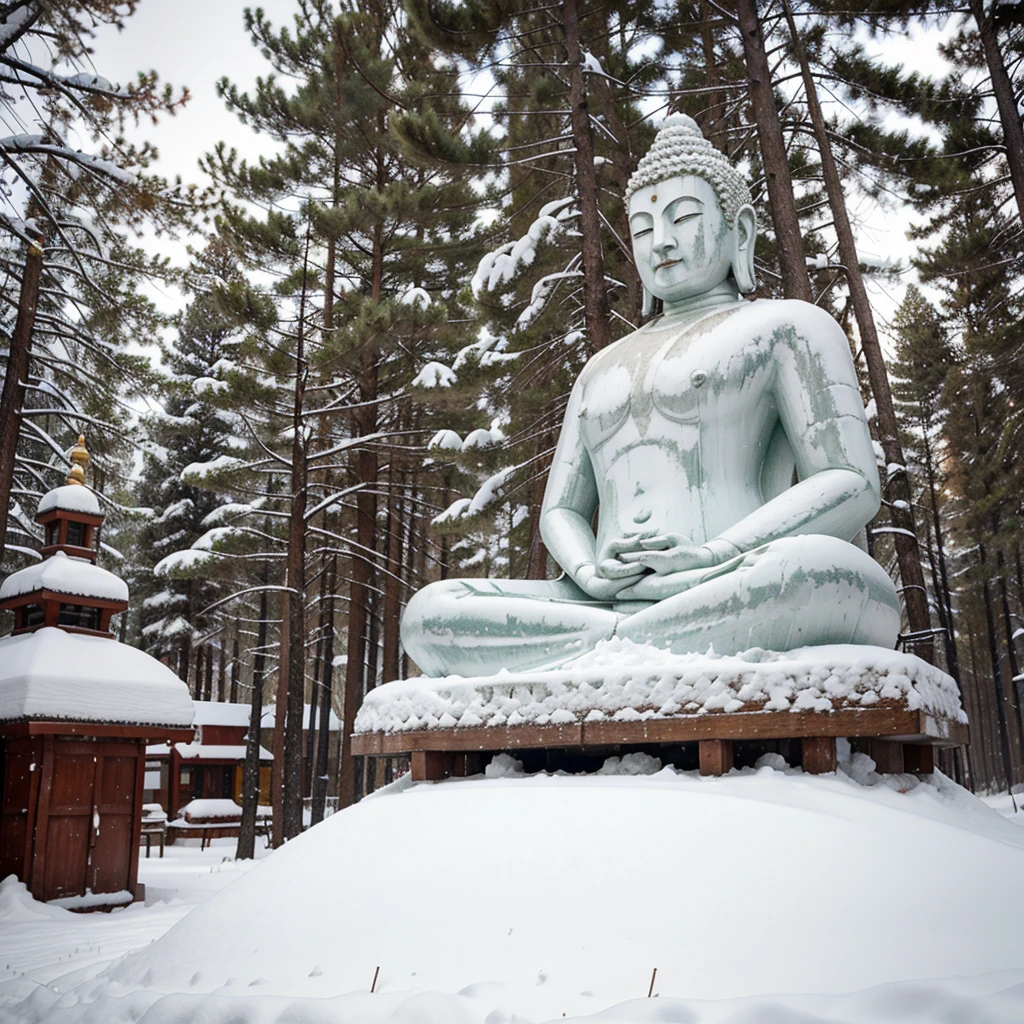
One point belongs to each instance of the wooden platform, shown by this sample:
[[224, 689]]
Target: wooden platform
[[905, 739]]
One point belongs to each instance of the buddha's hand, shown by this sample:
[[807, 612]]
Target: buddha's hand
[[673, 552], [602, 587]]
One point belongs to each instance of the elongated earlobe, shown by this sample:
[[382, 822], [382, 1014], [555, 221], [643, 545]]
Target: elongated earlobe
[[647, 306], [744, 236]]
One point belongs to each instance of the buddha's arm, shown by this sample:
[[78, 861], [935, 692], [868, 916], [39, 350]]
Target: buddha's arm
[[570, 500], [820, 409]]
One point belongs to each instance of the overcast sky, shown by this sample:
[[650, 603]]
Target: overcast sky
[[196, 42]]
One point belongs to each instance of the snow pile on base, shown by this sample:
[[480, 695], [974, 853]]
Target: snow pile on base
[[62, 676], [523, 898], [64, 575], [70, 498], [623, 681]]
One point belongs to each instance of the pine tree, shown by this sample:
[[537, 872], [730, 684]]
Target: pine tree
[[190, 428], [70, 300]]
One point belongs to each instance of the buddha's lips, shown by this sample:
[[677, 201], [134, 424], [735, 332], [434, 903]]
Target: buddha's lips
[[667, 263]]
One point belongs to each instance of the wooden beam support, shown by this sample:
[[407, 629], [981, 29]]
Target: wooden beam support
[[819, 754], [432, 765], [716, 756], [918, 758], [896, 724], [888, 756]]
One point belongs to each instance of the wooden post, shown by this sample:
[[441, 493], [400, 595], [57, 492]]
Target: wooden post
[[716, 756], [819, 754], [918, 758], [887, 755], [431, 765], [137, 890]]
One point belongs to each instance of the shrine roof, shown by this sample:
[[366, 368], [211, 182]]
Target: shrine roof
[[217, 752], [54, 675], [70, 498], [212, 712], [270, 712], [64, 574]]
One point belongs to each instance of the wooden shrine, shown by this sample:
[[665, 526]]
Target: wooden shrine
[[77, 710]]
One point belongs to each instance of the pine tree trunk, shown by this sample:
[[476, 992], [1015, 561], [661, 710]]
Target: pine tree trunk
[[246, 848], [944, 594], [710, 122], [897, 484], [997, 680], [320, 779], [393, 579], [595, 298], [280, 714], [788, 238], [1006, 100], [235, 669], [16, 374], [222, 655], [365, 424], [296, 693]]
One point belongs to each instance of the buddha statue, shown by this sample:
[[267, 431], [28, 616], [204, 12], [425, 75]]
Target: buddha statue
[[724, 449]]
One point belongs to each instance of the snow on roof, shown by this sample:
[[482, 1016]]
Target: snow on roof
[[51, 674], [270, 710], [217, 752], [211, 712], [621, 681], [65, 575], [71, 498]]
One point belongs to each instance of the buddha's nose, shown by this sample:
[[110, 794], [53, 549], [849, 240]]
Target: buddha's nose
[[664, 241]]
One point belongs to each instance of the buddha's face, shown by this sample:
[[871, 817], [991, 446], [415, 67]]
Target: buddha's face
[[681, 242]]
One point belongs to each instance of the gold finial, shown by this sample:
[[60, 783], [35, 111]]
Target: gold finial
[[79, 459]]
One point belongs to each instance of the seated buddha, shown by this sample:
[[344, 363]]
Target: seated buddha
[[723, 448]]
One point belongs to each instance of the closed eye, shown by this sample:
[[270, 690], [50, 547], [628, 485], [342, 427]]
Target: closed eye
[[643, 231], [686, 216]]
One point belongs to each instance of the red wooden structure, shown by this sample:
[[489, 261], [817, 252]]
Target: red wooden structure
[[76, 712]]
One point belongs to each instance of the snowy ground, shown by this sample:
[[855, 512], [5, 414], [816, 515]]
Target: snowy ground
[[763, 897]]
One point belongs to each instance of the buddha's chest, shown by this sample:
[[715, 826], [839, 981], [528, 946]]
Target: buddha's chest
[[707, 376]]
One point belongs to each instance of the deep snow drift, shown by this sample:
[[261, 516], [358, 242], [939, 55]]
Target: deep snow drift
[[543, 895]]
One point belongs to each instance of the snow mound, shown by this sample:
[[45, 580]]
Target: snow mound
[[523, 898], [62, 676], [624, 681]]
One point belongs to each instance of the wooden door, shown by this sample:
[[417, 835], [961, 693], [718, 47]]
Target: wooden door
[[110, 858], [19, 784], [67, 839]]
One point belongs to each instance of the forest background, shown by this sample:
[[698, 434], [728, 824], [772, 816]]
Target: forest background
[[335, 369]]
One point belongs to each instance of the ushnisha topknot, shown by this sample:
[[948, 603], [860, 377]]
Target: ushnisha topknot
[[680, 148]]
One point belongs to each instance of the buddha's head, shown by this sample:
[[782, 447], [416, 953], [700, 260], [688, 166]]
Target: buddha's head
[[690, 217]]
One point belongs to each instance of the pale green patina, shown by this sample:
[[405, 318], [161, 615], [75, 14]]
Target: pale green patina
[[726, 453]]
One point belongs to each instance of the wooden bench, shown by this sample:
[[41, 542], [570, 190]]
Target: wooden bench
[[156, 830]]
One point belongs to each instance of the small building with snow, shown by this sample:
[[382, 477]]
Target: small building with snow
[[209, 766], [77, 709]]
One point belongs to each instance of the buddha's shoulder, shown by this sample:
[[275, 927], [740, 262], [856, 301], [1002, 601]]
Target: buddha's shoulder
[[791, 316]]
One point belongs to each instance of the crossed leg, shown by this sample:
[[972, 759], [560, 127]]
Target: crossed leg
[[794, 592]]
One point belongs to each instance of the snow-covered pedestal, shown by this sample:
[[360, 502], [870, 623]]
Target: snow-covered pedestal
[[634, 695]]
